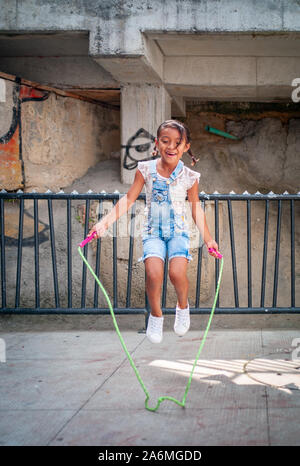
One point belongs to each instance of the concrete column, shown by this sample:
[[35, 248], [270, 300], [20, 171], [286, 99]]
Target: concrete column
[[143, 108]]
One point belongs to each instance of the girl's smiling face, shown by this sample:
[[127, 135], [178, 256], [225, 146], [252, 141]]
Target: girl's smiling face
[[170, 147]]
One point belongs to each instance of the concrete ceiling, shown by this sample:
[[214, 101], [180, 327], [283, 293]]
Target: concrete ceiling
[[196, 67], [58, 60], [221, 44], [56, 44], [230, 67]]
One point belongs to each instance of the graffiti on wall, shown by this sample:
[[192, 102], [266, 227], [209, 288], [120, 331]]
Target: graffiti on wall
[[137, 152], [12, 217], [12, 174]]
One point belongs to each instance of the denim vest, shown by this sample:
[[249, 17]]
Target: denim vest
[[161, 221]]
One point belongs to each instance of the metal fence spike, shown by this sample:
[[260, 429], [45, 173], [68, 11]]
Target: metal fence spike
[[232, 192], [74, 192], [286, 193], [19, 191], [90, 191], [3, 191], [245, 193], [103, 191], [258, 193]]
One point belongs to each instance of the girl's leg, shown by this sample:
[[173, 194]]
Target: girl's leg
[[178, 277], [154, 267]]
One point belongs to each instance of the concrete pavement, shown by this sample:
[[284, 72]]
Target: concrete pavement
[[62, 386]]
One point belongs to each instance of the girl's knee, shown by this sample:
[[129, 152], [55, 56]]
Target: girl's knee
[[154, 273], [153, 280], [176, 275], [177, 270]]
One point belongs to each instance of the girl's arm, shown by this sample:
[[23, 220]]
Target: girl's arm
[[200, 219], [121, 207]]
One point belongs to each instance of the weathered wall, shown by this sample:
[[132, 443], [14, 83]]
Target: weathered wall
[[63, 137], [47, 141], [264, 158], [11, 160], [11, 175]]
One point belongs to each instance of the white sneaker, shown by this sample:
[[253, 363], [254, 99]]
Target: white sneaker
[[182, 320], [155, 329]]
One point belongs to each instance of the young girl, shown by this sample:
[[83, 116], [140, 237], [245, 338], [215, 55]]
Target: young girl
[[167, 182]]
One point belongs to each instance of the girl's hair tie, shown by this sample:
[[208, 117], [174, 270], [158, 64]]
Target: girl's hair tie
[[194, 160], [155, 152]]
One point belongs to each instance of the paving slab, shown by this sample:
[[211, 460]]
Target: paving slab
[[58, 370], [31, 427], [284, 426], [78, 388], [177, 427], [283, 398], [281, 342], [67, 345]]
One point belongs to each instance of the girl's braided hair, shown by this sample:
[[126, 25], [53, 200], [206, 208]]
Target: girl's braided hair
[[184, 133]]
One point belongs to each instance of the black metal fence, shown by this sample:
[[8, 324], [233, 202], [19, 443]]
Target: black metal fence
[[268, 264]]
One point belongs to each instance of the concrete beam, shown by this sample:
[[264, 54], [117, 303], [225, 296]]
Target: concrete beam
[[210, 92], [118, 19], [208, 44], [277, 71], [133, 70], [232, 78], [212, 71], [144, 67], [61, 72]]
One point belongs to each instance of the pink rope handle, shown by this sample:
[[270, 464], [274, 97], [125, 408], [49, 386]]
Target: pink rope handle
[[87, 239], [214, 250]]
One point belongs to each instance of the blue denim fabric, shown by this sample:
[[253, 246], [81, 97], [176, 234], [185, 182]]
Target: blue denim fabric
[[177, 246], [160, 234]]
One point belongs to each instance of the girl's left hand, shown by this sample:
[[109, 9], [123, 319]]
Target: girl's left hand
[[212, 244]]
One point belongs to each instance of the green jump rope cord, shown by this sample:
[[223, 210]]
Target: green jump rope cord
[[162, 398]]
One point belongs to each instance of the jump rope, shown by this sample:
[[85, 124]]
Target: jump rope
[[162, 398]]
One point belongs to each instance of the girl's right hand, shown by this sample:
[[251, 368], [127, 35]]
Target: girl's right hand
[[100, 229]]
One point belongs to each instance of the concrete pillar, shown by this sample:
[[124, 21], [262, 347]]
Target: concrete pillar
[[143, 108]]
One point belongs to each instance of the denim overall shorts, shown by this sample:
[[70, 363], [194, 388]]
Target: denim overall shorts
[[160, 234]]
